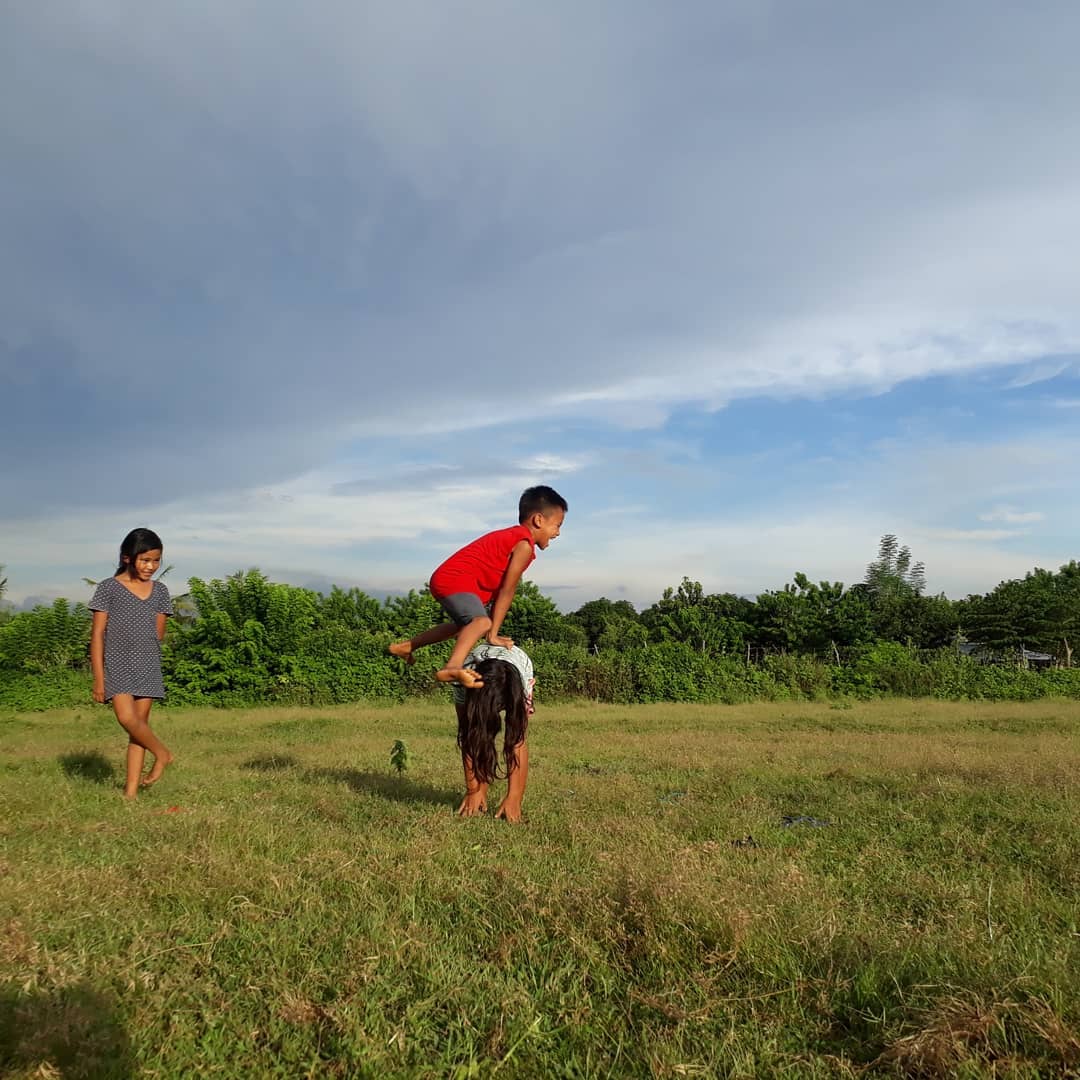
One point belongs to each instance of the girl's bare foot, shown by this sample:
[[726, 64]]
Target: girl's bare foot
[[403, 651], [468, 678], [161, 763]]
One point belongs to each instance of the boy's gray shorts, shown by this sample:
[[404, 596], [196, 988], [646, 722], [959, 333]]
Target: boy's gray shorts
[[463, 607]]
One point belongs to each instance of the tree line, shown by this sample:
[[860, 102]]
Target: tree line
[[246, 640]]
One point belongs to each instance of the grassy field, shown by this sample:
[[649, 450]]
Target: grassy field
[[282, 905]]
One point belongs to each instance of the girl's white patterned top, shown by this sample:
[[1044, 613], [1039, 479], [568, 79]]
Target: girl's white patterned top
[[518, 657]]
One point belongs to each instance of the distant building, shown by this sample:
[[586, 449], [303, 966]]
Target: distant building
[[985, 654]]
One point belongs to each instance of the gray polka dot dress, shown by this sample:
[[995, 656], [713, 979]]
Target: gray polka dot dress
[[132, 649]]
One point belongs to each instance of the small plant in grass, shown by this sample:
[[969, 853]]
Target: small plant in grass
[[399, 756]]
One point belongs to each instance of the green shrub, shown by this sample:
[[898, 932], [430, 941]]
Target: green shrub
[[255, 642], [35, 692], [47, 639], [801, 676]]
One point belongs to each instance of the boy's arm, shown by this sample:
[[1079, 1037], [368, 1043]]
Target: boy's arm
[[520, 557]]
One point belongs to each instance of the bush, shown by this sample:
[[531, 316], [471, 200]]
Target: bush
[[886, 667], [47, 639], [37, 692], [800, 676], [255, 642]]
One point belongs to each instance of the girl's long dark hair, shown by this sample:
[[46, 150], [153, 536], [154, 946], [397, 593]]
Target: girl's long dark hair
[[502, 695], [135, 543]]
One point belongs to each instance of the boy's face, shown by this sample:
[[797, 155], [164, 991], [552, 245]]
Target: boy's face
[[546, 527]]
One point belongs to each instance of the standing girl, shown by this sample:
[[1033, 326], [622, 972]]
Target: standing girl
[[125, 650], [504, 695]]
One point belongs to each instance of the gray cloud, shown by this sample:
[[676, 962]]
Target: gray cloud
[[427, 477], [241, 235]]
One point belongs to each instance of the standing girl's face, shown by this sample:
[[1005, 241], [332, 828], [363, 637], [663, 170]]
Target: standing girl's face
[[145, 565]]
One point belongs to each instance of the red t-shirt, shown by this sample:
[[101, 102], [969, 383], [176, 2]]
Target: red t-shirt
[[479, 567]]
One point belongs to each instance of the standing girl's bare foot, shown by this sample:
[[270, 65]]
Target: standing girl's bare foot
[[403, 651], [161, 763]]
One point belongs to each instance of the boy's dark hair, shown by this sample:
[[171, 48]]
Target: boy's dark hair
[[134, 544], [539, 500], [479, 720]]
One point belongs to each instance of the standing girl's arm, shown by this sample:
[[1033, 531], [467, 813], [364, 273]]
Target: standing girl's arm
[[97, 654], [162, 618]]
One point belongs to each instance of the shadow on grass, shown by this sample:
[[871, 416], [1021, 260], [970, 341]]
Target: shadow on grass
[[71, 1033], [271, 763], [397, 788], [90, 765], [386, 786]]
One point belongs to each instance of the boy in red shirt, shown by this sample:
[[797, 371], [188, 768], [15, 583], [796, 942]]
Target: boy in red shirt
[[476, 585]]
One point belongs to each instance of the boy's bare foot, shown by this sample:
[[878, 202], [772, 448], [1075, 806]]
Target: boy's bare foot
[[499, 639], [161, 763], [510, 811], [403, 651], [473, 805], [468, 678]]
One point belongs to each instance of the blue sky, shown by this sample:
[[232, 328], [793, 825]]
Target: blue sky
[[752, 283]]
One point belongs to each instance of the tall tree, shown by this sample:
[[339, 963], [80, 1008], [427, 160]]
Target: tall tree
[[892, 573], [534, 617], [1039, 611], [1068, 600], [351, 609], [5, 612], [714, 623], [604, 619], [894, 587], [820, 618]]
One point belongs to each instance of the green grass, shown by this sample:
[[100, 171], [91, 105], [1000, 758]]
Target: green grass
[[284, 905]]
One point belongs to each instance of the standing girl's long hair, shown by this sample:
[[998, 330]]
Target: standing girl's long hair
[[501, 696], [134, 544]]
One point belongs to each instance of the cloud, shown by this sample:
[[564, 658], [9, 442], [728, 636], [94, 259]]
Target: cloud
[[1038, 373], [1011, 516], [323, 290], [743, 521], [963, 535], [756, 552], [239, 239], [419, 477]]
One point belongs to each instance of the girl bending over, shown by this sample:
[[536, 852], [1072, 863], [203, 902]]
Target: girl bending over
[[125, 650], [505, 696]]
